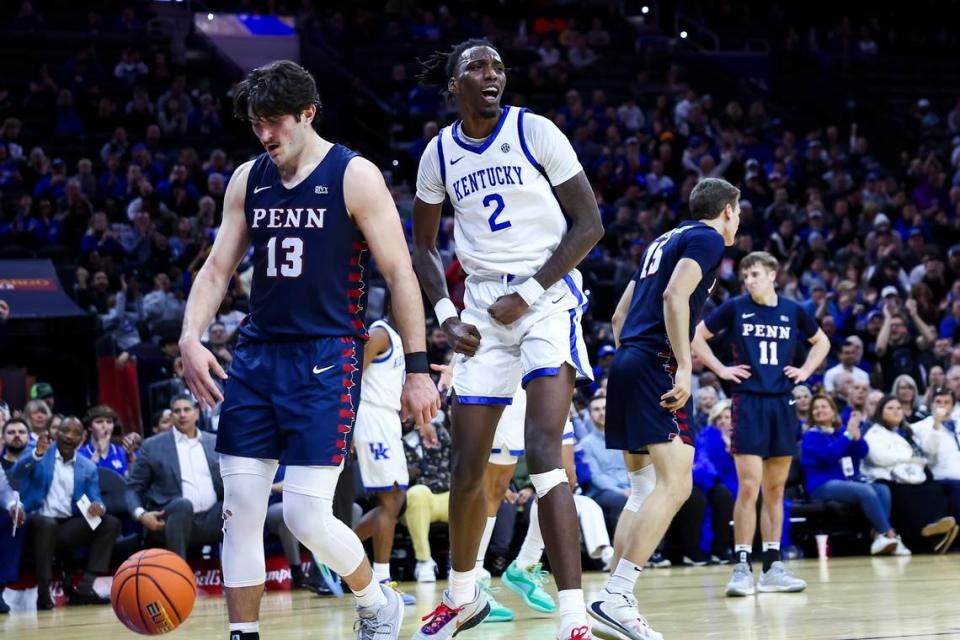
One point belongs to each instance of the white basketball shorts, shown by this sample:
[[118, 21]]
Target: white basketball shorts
[[377, 438], [538, 344]]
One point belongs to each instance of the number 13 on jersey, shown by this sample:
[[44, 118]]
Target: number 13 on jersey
[[292, 258]]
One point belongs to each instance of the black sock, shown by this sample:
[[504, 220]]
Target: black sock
[[743, 556], [769, 557], [244, 635]]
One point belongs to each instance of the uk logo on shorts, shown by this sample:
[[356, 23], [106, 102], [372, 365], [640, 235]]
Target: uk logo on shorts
[[379, 451]]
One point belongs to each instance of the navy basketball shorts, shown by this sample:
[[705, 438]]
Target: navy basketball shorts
[[763, 425], [635, 419], [295, 402]]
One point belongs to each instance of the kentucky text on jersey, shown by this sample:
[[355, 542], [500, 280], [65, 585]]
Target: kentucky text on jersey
[[486, 179], [766, 331], [288, 218]]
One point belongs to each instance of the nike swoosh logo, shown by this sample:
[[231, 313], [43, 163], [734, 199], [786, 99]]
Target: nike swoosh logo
[[792, 402], [453, 162], [747, 315], [599, 614], [317, 369], [558, 300], [259, 189]]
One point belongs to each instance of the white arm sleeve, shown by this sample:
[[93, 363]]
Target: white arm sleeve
[[550, 148], [430, 187]]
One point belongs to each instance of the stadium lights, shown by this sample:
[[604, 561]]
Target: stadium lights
[[683, 35], [644, 9]]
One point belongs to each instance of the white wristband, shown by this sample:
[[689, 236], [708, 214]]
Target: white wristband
[[445, 310], [530, 290], [139, 511]]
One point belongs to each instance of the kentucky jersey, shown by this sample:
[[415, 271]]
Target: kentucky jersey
[[644, 325], [763, 337], [309, 258], [507, 219], [383, 378]]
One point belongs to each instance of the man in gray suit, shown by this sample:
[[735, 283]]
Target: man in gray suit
[[175, 490]]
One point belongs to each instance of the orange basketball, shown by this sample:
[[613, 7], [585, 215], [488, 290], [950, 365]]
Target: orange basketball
[[153, 591]]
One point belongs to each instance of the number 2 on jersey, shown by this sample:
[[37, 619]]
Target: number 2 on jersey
[[292, 265], [496, 198]]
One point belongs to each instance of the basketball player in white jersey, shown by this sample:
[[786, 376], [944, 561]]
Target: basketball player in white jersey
[[377, 440], [524, 574], [511, 177]]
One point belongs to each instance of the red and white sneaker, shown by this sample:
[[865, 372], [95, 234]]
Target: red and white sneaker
[[446, 620], [576, 631]]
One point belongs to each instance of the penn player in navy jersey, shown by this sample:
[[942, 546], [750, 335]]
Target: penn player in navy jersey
[[512, 179], [312, 210], [648, 392], [764, 331]]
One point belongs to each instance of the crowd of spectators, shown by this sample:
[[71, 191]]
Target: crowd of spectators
[[870, 245]]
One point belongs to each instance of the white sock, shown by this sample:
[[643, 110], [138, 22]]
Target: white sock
[[572, 609], [624, 577], [532, 549], [371, 595], [381, 571], [767, 546], [245, 627], [485, 541], [462, 586]]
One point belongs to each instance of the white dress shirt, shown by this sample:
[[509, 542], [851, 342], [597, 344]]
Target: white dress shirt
[[59, 500], [197, 483], [830, 377]]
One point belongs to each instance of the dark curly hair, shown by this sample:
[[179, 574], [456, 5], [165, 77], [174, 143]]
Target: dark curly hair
[[276, 89], [439, 66]]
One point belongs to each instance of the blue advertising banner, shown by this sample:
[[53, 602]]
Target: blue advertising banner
[[32, 290]]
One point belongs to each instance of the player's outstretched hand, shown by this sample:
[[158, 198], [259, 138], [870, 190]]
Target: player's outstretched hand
[[796, 374], [735, 374], [419, 399], [676, 398], [198, 362], [462, 337], [508, 309]]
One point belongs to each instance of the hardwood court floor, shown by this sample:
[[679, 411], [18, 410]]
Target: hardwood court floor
[[848, 599]]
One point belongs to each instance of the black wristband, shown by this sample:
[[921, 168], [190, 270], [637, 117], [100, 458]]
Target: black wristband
[[416, 362]]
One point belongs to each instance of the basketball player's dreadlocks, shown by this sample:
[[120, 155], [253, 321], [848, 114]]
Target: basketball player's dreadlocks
[[439, 66]]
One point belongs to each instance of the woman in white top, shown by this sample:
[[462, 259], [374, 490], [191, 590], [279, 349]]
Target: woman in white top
[[919, 505]]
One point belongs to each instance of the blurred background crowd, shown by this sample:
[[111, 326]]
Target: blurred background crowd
[[842, 132]]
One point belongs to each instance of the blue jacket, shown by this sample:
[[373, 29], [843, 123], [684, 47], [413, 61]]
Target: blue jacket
[[36, 476], [712, 462], [821, 453]]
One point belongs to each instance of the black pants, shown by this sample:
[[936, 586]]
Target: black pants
[[915, 506], [184, 529], [687, 525], [721, 502], [47, 536]]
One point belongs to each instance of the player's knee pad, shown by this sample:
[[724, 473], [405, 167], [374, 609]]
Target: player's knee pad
[[544, 482], [246, 491], [642, 482], [308, 513]]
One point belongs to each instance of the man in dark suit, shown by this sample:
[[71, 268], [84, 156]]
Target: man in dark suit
[[52, 479], [174, 489]]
